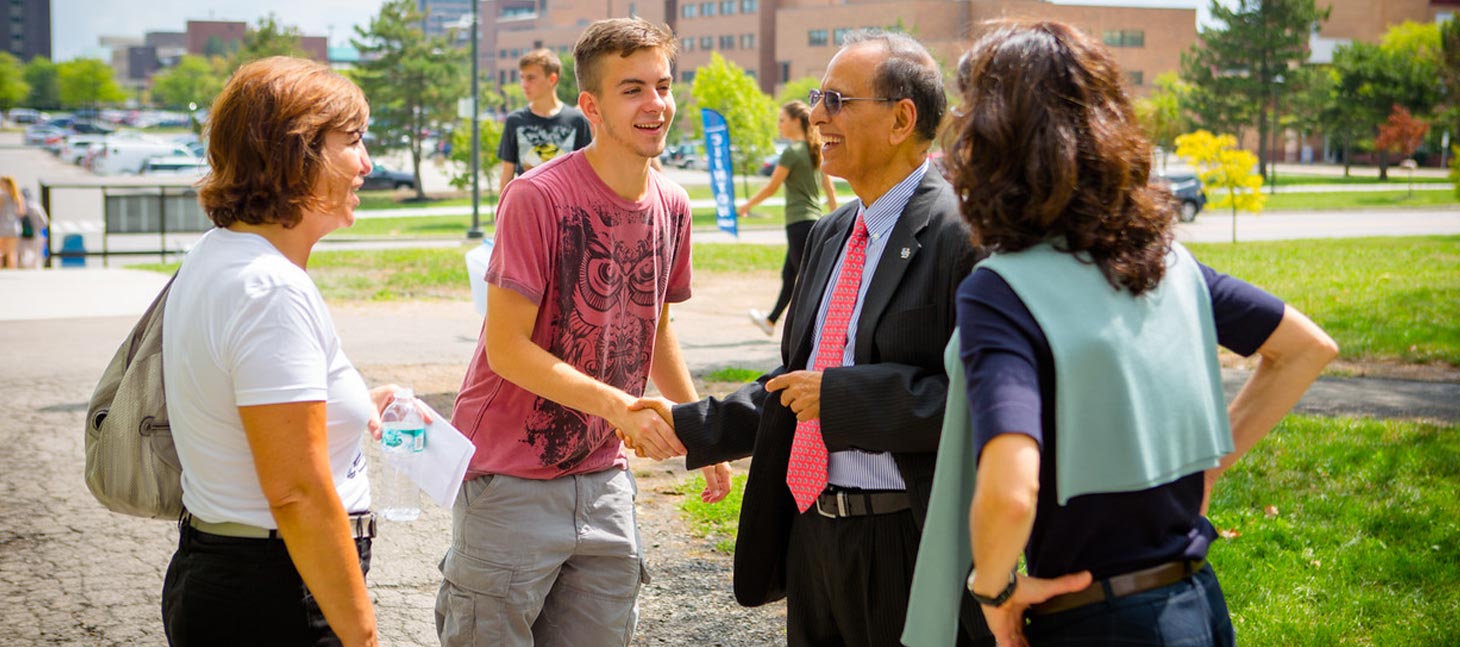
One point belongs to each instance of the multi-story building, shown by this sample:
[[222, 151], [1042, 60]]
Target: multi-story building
[[520, 26], [444, 16], [214, 37], [27, 31], [776, 41]]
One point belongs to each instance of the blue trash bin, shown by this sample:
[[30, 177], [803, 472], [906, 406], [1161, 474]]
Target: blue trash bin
[[73, 244]]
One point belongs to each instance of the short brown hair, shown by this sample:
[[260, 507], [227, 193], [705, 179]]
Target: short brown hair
[[543, 58], [265, 138], [622, 36], [1045, 146]]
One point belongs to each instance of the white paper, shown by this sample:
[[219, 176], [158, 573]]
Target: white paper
[[439, 468]]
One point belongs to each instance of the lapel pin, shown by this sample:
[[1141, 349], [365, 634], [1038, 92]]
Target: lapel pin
[[906, 253]]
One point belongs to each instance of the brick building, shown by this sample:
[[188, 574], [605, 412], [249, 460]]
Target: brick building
[[780, 40]]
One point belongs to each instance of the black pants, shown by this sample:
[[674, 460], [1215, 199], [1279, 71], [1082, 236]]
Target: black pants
[[232, 591], [796, 235], [848, 580]]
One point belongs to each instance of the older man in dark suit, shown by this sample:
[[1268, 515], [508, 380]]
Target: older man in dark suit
[[844, 433]]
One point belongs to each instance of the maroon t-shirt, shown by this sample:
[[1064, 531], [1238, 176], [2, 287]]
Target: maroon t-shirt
[[600, 269]]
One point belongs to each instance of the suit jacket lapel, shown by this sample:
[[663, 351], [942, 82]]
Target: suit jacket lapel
[[902, 247], [831, 250]]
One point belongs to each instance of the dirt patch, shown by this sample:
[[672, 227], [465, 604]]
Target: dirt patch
[[1380, 368]]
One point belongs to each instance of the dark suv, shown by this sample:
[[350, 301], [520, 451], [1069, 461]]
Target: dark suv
[[1188, 191]]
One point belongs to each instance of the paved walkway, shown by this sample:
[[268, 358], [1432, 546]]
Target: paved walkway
[[72, 573]]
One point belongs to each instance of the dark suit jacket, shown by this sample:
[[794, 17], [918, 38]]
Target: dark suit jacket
[[890, 400]]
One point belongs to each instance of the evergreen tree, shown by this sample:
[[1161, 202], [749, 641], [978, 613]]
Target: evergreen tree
[[412, 81], [1238, 70]]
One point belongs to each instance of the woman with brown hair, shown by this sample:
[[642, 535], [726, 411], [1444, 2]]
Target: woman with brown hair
[[800, 170], [12, 209], [266, 411], [1089, 341]]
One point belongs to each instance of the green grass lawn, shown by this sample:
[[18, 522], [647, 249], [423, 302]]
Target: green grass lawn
[[1340, 532], [414, 227], [1345, 200], [1364, 548], [1391, 298], [1380, 298], [1397, 177]]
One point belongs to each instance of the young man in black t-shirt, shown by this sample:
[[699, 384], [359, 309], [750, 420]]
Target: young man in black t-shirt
[[547, 127]]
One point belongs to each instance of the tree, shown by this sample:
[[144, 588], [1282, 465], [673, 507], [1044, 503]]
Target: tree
[[489, 164], [1222, 165], [87, 83], [684, 127], [797, 90], [567, 80], [724, 87], [1163, 115], [267, 38], [192, 81], [45, 89], [513, 97], [1369, 80], [216, 47], [1402, 134], [1238, 70], [1449, 63], [1318, 108], [412, 81], [13, 88]]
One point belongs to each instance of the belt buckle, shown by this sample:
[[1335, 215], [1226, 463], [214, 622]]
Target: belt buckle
[[841, 506]]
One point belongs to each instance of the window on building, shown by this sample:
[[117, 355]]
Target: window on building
[[749, 6], [502, 54], [816, 38], [785, 71], [1125, 37], [687, 76], [633, 11], [689, 10], [839, 35], [707, 42], [1135, 77], [687, 44], [727, 42], [514, 76], [708, 9], [747, 41], [727, 7]]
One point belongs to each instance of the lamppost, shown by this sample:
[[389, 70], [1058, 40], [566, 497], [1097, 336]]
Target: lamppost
[[476, 131]]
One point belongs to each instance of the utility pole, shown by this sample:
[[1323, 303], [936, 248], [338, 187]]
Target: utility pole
[[476, 130]]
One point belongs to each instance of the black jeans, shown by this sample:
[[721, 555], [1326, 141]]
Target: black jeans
[[233, 591], [1190, 613], [796, 235]]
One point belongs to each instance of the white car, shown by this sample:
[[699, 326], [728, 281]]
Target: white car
[[126, 156], [177, 165]]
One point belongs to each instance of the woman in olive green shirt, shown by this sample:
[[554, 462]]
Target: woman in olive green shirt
[[800, 170]]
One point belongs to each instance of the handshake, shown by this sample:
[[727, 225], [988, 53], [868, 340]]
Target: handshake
[[647, 427]]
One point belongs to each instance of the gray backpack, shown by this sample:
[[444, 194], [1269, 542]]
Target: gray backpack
[[131, 463]]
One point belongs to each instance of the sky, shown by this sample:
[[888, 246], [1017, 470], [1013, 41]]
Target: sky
[[77, 24]]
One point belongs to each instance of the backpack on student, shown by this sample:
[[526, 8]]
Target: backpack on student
[[131, 462]]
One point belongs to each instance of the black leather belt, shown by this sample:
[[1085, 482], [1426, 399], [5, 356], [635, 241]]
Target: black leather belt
[[1121, 586], [842, 503], [362, 526]]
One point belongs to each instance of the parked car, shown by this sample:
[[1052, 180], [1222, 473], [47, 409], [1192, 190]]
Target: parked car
[[26, 116], [37, 135], [178, 165], [381, 177], [1188, 191], [125, 155], [74, 150], [92, 127]]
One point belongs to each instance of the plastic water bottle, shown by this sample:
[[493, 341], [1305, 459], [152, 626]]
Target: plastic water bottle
[[402, 439]]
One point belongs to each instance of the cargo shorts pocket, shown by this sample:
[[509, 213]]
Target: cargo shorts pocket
[[473, 602]]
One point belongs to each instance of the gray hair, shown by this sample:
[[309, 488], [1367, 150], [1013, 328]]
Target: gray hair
[[908, 72]]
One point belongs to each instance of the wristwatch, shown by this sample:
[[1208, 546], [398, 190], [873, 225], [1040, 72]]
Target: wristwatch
[[998, 600]]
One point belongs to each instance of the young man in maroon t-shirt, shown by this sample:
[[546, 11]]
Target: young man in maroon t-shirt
[[591, 248]]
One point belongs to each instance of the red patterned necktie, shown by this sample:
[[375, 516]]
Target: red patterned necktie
[[806, 472]]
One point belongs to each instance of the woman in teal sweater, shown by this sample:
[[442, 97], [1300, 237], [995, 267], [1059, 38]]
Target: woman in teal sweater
[[800, 170]]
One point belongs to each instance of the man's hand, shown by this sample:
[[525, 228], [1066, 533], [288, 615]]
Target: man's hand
[[717, 482], [1007, 622], [644, 430], [800, 391]]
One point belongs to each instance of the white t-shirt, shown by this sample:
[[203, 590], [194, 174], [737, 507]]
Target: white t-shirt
[[244, 326]]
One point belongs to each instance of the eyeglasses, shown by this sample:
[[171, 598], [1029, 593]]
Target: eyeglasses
[[834, 100]]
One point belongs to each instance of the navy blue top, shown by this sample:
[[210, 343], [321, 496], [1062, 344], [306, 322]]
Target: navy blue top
[[1011, 389]]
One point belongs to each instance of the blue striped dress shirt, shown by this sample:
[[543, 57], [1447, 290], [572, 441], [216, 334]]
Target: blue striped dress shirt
[[856, 468]]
